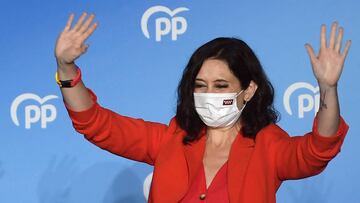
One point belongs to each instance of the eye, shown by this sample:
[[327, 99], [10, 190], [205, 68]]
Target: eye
[[198, 85], [221, 85]]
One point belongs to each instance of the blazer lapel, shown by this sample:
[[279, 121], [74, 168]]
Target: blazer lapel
[[194, 153], [240, 154]]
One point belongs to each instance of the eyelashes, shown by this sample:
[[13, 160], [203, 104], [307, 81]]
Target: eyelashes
[[219, 86], [199, 86]]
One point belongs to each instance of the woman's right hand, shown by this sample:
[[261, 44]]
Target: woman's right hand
[[70, 44]]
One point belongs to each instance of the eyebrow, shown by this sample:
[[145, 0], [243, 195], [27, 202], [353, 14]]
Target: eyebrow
[[218, 80], [221, 80]]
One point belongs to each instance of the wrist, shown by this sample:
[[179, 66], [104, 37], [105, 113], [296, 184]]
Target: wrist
[[325, 87], [63, 65], [69, 78], [66, 70]]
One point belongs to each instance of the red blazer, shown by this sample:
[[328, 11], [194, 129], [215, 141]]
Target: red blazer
[[256, 168]]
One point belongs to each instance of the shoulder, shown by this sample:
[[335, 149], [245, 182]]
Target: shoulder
[[174, 128], [271, 132]]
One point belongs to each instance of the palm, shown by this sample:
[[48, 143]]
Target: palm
[[328, 65], [70, 44]]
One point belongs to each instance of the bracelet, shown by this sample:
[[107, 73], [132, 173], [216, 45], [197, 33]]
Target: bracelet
[[69, 83]]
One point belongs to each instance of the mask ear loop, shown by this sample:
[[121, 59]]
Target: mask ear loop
[[244, 103], [242, 108], [239, 93]]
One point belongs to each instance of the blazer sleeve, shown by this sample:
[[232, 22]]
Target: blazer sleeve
[[131, 138], [303, 156]]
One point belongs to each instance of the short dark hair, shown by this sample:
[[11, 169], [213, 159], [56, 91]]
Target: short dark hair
[[243, 63]]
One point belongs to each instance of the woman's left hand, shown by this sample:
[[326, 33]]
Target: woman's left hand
[[328, 64]]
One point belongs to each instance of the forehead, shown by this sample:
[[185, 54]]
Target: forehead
[[213, 69]]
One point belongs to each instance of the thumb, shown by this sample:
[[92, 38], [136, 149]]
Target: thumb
[[310, 52], [84, 48]]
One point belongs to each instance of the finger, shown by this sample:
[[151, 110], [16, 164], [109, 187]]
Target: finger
[[88, 21], [88, 32], [323, 37], [69, 22], [333, 35], [80, 21], [339, 40], [311, 53], [346, 49]]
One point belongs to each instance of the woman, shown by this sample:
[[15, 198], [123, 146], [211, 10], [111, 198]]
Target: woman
[[223, 144]]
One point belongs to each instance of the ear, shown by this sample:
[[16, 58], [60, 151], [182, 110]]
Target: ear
[[250, 91]]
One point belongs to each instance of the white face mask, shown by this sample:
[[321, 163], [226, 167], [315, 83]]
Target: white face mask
[[218, 109]]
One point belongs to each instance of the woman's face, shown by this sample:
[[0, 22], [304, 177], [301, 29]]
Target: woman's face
[[215, 77]]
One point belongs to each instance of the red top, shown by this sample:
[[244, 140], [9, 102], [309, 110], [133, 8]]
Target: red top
[[217, 191], [255, 168]]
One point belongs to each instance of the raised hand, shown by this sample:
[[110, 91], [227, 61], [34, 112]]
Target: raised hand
[[70, 44], [328, 64], [327, 67]]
